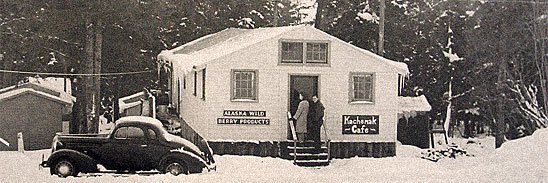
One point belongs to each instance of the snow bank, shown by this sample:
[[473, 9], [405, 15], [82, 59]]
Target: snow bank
[[521, 160], [407, 151]]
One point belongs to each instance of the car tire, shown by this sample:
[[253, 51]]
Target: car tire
[[64, 167], [175, 167]]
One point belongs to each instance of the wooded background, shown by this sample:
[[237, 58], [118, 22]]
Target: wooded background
[[486, 59]]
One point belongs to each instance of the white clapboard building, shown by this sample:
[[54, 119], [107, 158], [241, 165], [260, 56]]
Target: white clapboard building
[[238, 85]]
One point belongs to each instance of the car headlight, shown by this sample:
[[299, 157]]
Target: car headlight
[[54, 143]]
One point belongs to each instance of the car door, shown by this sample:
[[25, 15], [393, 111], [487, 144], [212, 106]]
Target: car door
[[135, 148], [117, 152], [154, 150]]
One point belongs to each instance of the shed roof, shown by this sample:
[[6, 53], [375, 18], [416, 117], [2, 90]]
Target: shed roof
[[23, 91], [43, 85], [413, 104], [197, 53]]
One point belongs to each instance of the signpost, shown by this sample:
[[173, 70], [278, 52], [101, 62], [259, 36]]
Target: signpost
[[360, 124]]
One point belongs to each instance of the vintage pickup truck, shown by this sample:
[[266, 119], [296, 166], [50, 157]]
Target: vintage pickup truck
[[135, 143]]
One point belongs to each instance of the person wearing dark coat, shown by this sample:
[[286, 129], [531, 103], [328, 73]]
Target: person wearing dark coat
[[315, 120]]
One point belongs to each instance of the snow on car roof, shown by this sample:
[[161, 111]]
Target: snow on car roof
[[140, 119]]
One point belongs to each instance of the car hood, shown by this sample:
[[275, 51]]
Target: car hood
[[187, 145]]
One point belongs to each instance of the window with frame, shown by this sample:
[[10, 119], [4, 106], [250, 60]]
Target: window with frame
[[129, 133], [195, 82], [292, 52], [203, 83], [316, 52], [361, 87], [302, 52], [244, 85]]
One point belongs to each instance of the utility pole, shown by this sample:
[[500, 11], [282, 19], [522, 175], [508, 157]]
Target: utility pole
[[275, 21], [381, 28], [319, 12]]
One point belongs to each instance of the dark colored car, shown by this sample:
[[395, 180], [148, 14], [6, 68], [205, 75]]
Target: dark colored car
[[136, 143]]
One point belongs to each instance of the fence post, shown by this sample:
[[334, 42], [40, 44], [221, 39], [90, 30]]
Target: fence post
[[20, 144]]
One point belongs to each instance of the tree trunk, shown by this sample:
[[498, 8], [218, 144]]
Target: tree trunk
[[319, 12], [448, 111], [500, 125], [275, 14], [96, 99], [87, 100], [7, 77], [381, 28]]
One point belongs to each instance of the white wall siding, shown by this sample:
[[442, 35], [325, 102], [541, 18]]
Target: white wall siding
[[273, 91]]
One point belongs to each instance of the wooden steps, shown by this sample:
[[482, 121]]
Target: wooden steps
[[306, 154]]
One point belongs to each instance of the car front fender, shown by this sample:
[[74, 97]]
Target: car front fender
[[84, 162]]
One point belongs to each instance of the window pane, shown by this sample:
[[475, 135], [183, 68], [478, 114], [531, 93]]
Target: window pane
[[135, 132], [121, 133], [316, 52], [152, 134], [358, 95], [292, 52], [244, 86], [363, 86], [238, 93]]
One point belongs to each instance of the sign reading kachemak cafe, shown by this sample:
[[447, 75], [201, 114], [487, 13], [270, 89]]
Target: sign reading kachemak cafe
[[238, 113], [360, 124]]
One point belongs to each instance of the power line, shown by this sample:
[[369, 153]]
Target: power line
[[62, 74], [504, 1]]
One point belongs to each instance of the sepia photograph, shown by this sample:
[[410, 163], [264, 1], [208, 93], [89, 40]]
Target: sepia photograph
[[309, 91]]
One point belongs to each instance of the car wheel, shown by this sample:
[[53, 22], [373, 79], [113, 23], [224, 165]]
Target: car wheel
[[175, 167], [65, 168]]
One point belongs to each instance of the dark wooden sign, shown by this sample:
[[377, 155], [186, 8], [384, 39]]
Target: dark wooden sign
[[360, 124], [243, 121], [244, 113]]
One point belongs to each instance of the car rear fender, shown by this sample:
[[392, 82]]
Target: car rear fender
[[194, 162], [84, 162]]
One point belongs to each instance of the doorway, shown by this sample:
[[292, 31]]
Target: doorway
[[306, 84]]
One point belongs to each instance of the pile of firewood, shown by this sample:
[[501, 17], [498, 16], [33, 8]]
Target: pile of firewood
[[452, 151]]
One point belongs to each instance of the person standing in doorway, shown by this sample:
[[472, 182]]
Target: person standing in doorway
[[301, 117], [316, 120]]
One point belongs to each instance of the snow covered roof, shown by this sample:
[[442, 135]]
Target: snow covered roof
[[411, 104], [123, 106], [21, 91], [52, 86], [196, 54], [216, 45], [130, 101]]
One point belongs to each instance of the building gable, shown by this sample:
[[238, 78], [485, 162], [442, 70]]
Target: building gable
[[28, 91], [309, 34]]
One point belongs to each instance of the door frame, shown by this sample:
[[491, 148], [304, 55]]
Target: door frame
[[290, 75]]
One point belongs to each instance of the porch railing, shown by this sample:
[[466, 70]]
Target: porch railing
[[328, 143], [294, 135]]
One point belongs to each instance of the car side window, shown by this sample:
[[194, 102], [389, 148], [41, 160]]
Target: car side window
[[135, 132], [129, 132], [152, 134], [121, 133]]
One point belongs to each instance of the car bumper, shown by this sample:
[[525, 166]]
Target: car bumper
[[212, 167], [44, 164]]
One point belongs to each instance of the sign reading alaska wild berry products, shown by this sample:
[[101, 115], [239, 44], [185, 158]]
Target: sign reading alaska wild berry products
[[360, 124], [245, 117], [244, 113]]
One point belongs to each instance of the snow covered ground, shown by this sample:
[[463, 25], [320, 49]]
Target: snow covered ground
[[522, 160]]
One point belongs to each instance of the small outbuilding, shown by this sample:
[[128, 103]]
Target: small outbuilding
[[35, 113], [238, 85]]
